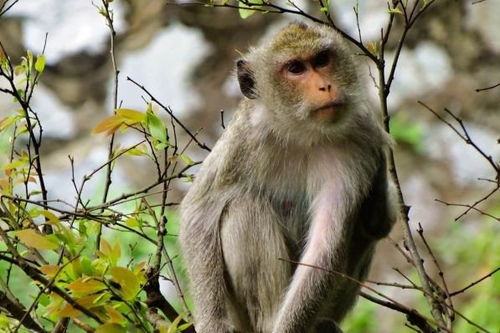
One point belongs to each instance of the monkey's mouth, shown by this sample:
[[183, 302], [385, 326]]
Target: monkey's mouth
[[329, 112]]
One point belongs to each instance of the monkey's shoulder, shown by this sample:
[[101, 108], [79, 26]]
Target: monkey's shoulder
[[231, 156]]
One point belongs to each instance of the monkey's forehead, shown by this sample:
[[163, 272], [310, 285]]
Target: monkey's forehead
[[301, 39]]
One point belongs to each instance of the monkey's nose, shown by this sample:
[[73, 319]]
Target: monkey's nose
[[326, 88]]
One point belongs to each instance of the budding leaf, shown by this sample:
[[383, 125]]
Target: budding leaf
[[395, 11], [187, 160], [40, 63]]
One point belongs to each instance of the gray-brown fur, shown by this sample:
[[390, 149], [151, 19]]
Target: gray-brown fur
[[280, 185]]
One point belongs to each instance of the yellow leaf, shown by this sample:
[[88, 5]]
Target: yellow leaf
[[50, 216], [127, 281], [94, 300], [31, 179], [85, 285], [4, 184], [16, 163], [116, 253], [31, 238], [7, 121], [114, 315], [122, 116], [131, 116], [135, 152], [105, 247], [110, 328], [162, 328], [140, 269], [49, 270], [373, 47], [108, 125], [68, 311], [131, 222]]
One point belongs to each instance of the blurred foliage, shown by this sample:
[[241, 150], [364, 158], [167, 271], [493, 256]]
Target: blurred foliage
[[460, 251], [407, 131], [107, 281], [363, 318]]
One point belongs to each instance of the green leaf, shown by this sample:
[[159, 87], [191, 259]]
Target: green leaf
[[188, 178], [175, 323], [184, 327], [156, 127], [5, 322], [44, 299], [40, 63], [86, 266], [162, 145], [246, 11]]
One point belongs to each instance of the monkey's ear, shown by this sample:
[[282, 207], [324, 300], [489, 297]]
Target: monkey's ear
[[246, 79]]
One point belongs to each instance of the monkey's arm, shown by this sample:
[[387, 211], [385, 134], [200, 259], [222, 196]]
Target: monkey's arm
[[203, 258], [379, 212], [327, 241]]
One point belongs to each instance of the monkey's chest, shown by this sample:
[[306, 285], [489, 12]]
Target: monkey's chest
[[292, 216]]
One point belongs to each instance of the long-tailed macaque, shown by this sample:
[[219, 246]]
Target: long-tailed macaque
[[298, 176]]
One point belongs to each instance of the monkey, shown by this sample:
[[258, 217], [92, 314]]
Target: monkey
[[298, 179]]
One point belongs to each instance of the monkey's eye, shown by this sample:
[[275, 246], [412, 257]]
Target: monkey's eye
[[296, 67], [322, 59]]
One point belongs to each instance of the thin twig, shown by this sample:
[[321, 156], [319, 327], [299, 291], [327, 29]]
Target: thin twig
[[4, 9], [490, 87], [169, 111], [108, 14], [394, 303], [475, 282], [35, 275], [447, 297], [473, 207]]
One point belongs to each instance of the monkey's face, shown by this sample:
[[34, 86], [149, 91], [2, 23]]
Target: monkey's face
[[304, 78], [310, 82]]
